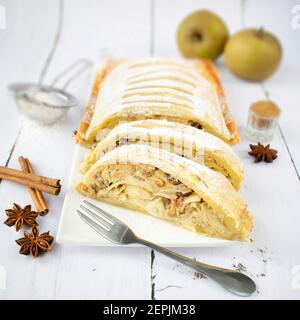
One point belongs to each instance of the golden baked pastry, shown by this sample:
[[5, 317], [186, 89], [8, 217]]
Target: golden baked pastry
[[169, 187], [184, 91], [194, 144]]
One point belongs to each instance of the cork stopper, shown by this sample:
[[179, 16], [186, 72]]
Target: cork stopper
[[265, 109]]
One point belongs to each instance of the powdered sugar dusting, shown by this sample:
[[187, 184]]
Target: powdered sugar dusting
[[133, 88]]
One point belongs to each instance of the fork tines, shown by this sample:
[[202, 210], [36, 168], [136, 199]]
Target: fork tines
[[101, 221]]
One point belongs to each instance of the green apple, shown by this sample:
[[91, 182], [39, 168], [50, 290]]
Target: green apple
[[253, 54], [202, 34]]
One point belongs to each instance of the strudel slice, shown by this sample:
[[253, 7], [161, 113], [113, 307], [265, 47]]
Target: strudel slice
[[171, 188], [181, 139], [184, 91]]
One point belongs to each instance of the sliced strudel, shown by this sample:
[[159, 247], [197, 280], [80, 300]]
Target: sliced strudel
[[169, 187], [181, 139]]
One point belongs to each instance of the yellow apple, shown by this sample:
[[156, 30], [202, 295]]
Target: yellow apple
[[202, 34], [253, 54]]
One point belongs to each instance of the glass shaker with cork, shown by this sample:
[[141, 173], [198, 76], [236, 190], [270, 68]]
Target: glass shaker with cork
[[262, 121]]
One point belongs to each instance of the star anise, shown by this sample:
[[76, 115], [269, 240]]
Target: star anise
[[18, 216], [262, 153], [34, 243]]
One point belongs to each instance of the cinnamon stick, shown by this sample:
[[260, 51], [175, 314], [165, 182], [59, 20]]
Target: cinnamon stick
[[39, 193], [30, 177], [30, 180], [36, 195]]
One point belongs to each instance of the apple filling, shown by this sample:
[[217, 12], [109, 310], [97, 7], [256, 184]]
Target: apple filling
[[148, 189], [205, 159]]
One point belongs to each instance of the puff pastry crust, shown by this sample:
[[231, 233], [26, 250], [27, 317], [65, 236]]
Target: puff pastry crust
[[194, 144], [169, 187], [184, 91]]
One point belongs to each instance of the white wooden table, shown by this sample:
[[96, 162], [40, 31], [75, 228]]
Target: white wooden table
[[97, 28]]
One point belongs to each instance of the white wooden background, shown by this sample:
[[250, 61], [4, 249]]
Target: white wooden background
[[96, 29]]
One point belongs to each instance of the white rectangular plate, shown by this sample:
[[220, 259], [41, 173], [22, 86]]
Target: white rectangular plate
[[73, 230]]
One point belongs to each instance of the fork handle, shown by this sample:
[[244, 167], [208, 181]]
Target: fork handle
[[233, 281]]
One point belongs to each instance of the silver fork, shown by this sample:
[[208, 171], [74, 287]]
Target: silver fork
[[118, 232]]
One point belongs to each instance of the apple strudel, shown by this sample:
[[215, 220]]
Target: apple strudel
[[184, 91], [169, 187], [194, 144]]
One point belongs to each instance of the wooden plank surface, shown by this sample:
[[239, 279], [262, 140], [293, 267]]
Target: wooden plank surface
[[21, 57], [97, 29]]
